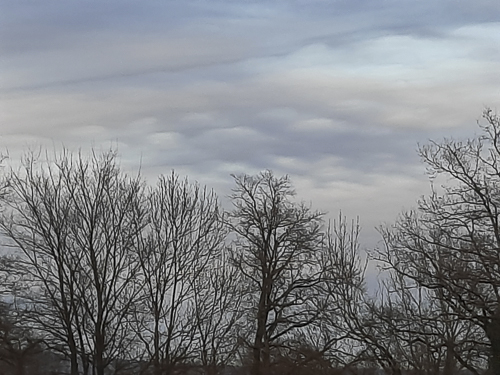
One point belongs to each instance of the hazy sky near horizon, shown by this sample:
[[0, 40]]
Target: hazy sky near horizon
[[337, 94]]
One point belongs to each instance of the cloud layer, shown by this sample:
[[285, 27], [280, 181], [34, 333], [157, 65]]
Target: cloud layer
[[335, 93]]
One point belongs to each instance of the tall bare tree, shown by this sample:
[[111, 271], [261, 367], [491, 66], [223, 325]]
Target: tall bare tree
[[451, 243], [185, 233], [218, 296], [77, 222], [343, 293], [278, 251]]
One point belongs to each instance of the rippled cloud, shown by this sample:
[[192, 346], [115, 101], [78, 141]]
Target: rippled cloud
[[335, 93]]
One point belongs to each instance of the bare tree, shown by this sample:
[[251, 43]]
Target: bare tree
[[109, 217], [218, 295], [278, 251], [406, 327], [184, 234], [19, 347], [77, 222], [343, 293], [450, 244]]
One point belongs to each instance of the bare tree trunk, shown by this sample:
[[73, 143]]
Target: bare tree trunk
[[156, 343], [258, 345], [449, 362], [395, 370], [99, 353], [73, 355], [493, 333]]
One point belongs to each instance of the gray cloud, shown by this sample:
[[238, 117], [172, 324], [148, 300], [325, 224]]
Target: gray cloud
[[335, 93], [68, 43]]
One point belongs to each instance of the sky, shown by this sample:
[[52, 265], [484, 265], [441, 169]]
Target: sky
[[337, 94]]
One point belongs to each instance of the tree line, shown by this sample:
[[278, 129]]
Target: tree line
[[104, 274]]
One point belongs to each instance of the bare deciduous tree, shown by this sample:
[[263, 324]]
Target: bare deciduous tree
[[218, 298], [77, 222], [278, 251], [406, 327], [19, 348], [185, 233], [343, 293], [451, 243]]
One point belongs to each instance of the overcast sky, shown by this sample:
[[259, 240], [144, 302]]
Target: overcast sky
[[337, 94]]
